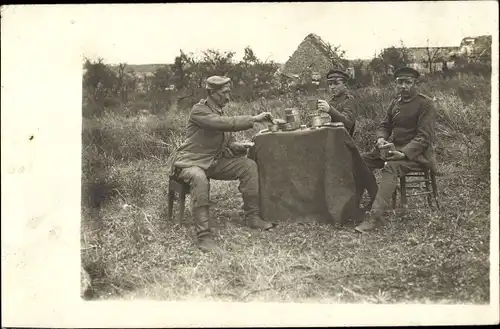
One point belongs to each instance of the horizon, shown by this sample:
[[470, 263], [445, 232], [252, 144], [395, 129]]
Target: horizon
[[274, 30], [282, 63]]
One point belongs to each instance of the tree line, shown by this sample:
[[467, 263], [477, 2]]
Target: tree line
[[119, 88]]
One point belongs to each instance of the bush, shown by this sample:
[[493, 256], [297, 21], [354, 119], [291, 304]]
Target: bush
[[97, 183], [131, 138], [113, 139]]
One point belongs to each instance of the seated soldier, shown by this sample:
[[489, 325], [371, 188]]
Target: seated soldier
[[410, 119], [210, 151], [342, 106]]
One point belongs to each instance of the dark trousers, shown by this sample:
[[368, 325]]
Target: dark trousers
[[389, 181], [240, 168]]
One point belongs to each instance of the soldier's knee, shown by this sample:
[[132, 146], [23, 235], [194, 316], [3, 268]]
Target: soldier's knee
[[252, 164], [371, 156], [370, 161], [197, 176], [391, 166], [250, 167]]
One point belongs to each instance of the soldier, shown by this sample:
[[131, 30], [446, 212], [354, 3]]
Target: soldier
[[341, 107], [410, 119], [210, 151]]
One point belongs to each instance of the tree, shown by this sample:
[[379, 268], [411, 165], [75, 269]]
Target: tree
[[125, 82], [249, 58], [392, 56], [378, 69], [336, 56], [362, 75], [99, 83], [432, 56], [406, 55], [162, 78], [396, 57], [120, 77], [377, 65], [252, 77], [217, 63], [178, 75], [190, 70]]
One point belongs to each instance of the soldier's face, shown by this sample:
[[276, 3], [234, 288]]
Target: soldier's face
[[222, 96], [406, 86], [337, 87]]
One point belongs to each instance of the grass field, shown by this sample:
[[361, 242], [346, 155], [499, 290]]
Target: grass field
[[131, 250]]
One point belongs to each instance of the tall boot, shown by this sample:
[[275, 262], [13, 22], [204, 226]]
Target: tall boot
[[252, 214], [374, 216], [373, 219], [202, 225]]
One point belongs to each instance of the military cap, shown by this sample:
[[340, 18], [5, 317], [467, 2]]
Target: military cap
[[406, 71], [217, 82], [336, 74]]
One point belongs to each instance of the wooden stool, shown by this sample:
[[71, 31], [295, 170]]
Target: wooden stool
[[176, 185], [427, 177]]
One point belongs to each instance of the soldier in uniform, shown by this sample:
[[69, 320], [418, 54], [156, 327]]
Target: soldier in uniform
[[210, 151], [410, 120], [342, 106]]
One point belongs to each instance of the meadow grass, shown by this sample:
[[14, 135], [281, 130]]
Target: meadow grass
[[131, 250]]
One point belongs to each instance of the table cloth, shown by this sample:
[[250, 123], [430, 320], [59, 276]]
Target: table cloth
[[310, 174]]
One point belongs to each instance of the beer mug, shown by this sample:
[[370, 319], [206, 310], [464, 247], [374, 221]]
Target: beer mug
[[384, 150], [316, 121], [312, 104]]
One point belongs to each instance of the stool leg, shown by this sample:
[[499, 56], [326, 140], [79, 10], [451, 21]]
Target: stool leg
[[394, 196], [171, 196], [427, 189], [182, 205], [402, 182], [434, 189]]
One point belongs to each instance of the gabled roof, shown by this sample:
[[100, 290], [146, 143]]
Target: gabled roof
[[321, 56], [318, 42]]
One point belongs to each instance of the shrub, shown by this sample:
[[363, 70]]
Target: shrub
[[131, 138]]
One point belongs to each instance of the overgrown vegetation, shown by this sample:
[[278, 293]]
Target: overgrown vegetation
[[131, 250]]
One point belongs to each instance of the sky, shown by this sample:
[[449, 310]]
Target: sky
[[155, 33]]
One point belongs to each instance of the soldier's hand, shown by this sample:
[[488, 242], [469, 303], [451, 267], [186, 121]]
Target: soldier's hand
[[381, 142], [323, 106], [246, 145], [395, 156], [264, 116]]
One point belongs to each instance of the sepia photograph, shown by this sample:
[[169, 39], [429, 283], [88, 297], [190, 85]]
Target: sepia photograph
[[330, 153], [231, 174]]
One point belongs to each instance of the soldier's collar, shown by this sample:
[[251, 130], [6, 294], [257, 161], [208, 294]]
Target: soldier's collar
[[401, 100], [343, 96], [213, 106]]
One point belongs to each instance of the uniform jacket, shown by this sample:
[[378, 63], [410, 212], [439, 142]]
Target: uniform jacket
[[412, 127], [347, 106], [208, 136]]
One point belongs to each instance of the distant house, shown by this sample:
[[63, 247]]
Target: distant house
[[313, 56], [470, 49], [476, 48], [420, 56]]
